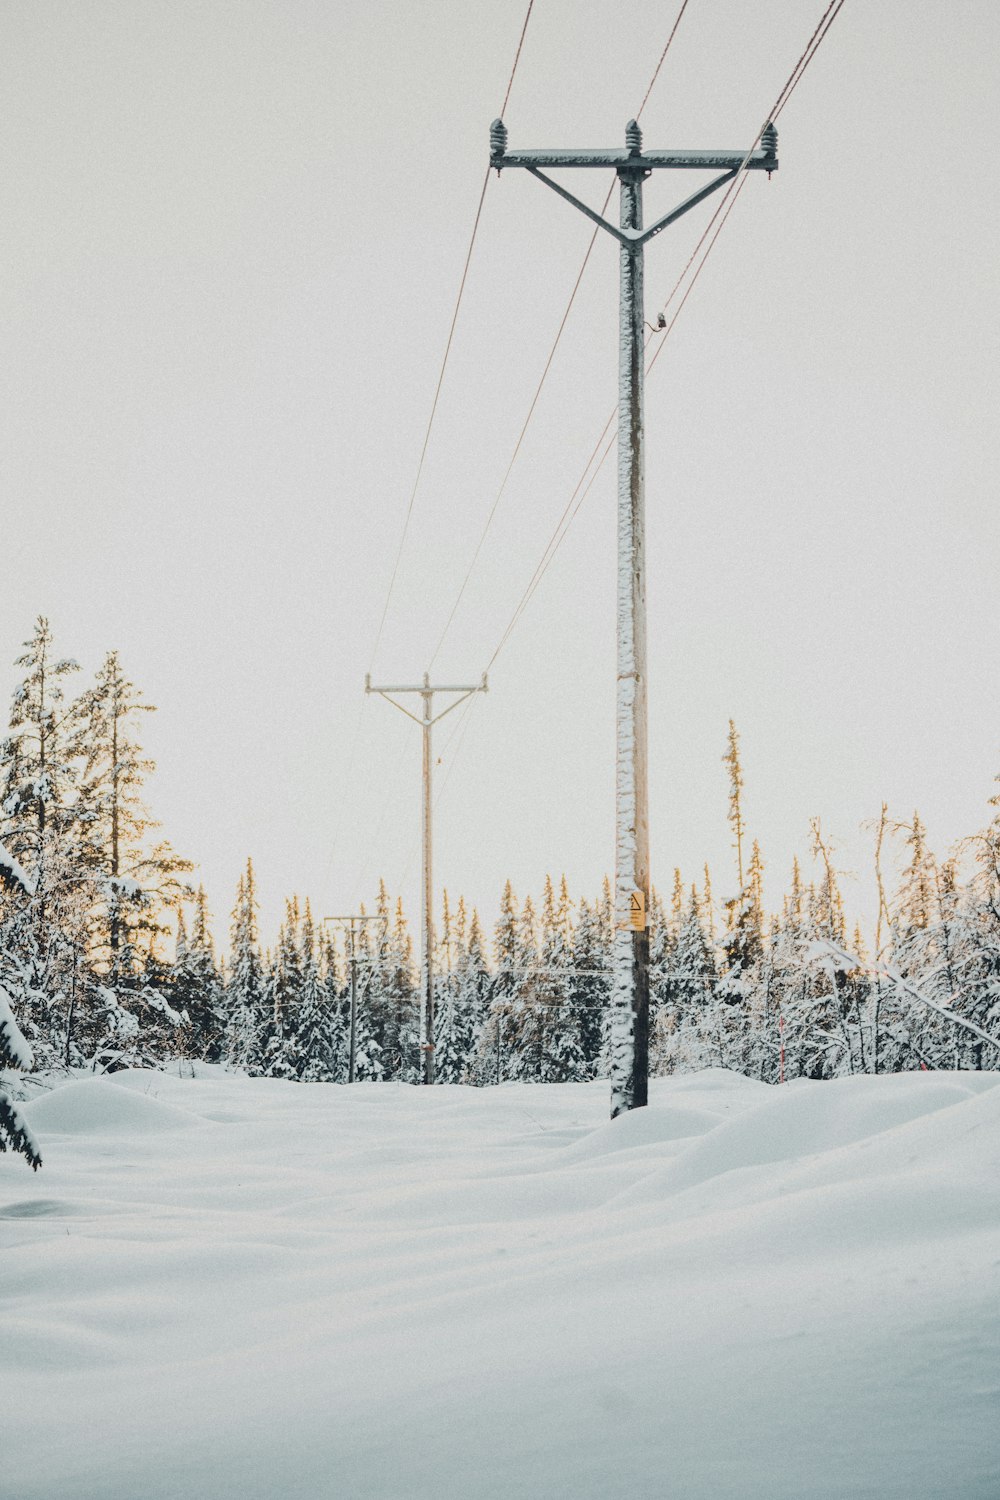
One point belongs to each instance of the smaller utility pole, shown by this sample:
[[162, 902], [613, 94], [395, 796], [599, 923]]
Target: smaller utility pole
[[353, 955], [426, 722]]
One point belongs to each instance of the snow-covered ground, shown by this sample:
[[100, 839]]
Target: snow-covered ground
[[221, 1287]]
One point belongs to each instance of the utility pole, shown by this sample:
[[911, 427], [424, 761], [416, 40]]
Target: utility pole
[[630, 988], [352, 1054], [426, 722]]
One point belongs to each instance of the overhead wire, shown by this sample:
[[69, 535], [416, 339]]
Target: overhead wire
[[704, 247], [444, 362], [356, 736], [548, 362]]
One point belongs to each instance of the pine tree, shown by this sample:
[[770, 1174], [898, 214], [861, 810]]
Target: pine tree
[[731, 760], [314, 1035], [196, 989], [336, 989], [687, 1034], [492, 1061], [37, 759], [248, 1021], [591, 985], [39, 936], [401, 1038], [15, 1133], [450, 1041], [285, 989], [524, 1047], [136, 880], [556, 1040]]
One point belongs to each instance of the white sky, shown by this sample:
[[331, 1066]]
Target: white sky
[[232, 236]]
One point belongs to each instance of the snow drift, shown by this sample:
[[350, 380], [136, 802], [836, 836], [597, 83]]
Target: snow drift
[[245, 1288]]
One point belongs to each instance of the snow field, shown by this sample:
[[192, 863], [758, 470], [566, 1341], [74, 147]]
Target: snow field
[[225, 1287]]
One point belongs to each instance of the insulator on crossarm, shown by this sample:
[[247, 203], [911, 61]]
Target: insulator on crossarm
[[633, 138], [769, 139], [498, 140]]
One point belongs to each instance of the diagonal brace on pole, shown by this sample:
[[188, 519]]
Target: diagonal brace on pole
[[636, 236]]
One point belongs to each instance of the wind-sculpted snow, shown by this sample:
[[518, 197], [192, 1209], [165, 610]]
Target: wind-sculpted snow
[[235, 1289], [96, 1106]]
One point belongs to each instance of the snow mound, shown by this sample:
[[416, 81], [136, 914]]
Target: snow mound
[[41, 1208], [96, 1106], [797, 1123], [653, 1126]]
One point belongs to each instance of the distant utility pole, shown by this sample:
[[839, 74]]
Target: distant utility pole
[[353, 954], [426, 722], [630, 991]]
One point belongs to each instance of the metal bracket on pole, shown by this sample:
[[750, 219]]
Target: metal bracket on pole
[[630, 989]]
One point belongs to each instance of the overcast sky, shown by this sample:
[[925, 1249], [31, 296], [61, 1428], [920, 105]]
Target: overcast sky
[[232, 237]]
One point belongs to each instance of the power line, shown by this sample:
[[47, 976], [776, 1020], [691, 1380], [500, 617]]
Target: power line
[[548, 363], [444, 363]]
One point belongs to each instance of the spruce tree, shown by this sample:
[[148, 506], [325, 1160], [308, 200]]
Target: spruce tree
[[136, 878], [42, 932], [15, 1132], [492, 1061], [248, 1021], [591, 988]]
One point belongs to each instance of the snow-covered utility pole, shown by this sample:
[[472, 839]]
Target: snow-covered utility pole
[[426, 722], [352, 1054], [630, 988]]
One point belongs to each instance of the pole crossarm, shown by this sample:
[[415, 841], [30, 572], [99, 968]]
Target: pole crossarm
[[465, 690], [760, 160]]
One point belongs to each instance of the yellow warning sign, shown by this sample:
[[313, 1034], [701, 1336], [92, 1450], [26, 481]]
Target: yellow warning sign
[[637, 911]]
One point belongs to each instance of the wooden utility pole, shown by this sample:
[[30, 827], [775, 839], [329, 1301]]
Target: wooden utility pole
[[426, 722], [630, 988], [352, 1053]]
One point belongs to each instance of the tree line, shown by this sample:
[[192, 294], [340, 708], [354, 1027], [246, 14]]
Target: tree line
[[107, 956]]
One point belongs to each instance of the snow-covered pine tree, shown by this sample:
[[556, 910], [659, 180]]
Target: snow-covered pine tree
[[137, 880], [475, 991], [247, 1033], [401, 1035], [491, 1063], [196, 989], [285, 986], [523, 1049], [591, 991], [314, 1036], [451, 1031], [41, 934], [827, 1043], [788, 1018], [374, 951], [561, 1050], [744, 967], [689, 1032], [666, 1012], [15, 1133]]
